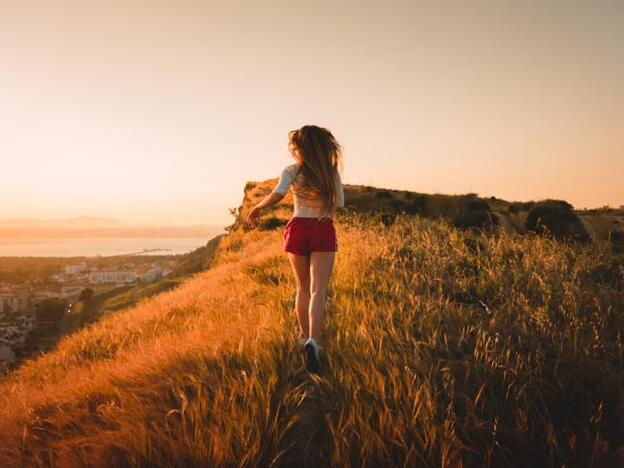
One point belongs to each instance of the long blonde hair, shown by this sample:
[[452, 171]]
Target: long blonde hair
[[319, 157]]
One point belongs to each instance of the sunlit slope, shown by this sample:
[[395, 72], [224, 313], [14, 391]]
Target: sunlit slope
[[104, 390], [444, 347]]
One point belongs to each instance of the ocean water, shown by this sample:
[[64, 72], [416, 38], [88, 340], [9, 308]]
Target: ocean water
[[90, 247]]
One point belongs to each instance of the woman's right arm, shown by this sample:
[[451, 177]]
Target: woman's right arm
[[278, 193]]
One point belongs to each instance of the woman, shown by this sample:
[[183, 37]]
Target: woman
[[310, 236]]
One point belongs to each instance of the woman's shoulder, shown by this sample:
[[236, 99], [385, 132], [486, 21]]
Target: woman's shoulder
[[290, 171]]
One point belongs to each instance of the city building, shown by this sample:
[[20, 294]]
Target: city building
[[111, 277]]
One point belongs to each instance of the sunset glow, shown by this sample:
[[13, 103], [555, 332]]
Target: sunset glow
[[160, 112]]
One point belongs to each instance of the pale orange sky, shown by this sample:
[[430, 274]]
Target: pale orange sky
[[161, 111]]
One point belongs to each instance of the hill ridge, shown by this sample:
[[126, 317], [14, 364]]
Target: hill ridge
[[463, 211]]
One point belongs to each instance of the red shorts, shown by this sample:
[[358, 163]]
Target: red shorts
[[305, 235]]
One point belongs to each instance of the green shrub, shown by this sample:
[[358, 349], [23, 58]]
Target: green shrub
[[383, 194], [398, 205], [515, 207], [374, 218], [616, 239], [475, 213], [417, 205], [557, 218]]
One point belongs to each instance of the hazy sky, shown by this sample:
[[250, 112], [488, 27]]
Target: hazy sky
[[161, 111]]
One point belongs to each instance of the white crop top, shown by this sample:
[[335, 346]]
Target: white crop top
[[307, 204]]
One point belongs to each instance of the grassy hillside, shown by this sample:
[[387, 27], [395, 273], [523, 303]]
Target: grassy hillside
[[445, 347]]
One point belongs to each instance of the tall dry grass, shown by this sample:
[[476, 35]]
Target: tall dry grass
[[444, 348]]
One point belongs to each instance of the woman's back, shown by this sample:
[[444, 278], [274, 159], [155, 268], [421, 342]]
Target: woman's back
[[307, 202]]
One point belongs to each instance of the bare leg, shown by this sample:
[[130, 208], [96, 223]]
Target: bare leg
[[321, 264], [301, 268]]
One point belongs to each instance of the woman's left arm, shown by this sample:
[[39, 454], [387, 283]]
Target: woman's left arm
[[272, 198]]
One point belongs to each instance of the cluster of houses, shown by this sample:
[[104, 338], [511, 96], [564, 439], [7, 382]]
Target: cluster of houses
[[13, 299], [17, 303], [17, 320], [13, 333]]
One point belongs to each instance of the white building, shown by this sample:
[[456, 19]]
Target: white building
[[111, 277], [76, 268]]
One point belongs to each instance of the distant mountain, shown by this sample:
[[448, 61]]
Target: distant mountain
[[78, 222]]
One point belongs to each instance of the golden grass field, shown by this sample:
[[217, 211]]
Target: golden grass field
[[444, 348]]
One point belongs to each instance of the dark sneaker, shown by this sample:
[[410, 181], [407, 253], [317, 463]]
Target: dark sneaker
[[311, 352], [301, 343]]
